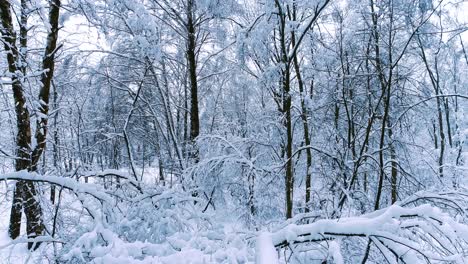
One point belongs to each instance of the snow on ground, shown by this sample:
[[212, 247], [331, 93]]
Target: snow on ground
[[266, 252], [169, 228], [220, 240], [11, 252]]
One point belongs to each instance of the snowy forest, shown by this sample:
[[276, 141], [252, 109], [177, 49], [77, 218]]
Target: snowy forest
[[234, 131]]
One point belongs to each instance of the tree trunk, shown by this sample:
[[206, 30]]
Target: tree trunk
[[434, 76], [48, 66], [305, 123], [55, 148], [394, 162], [286, 110], [447, 120], [192, 68], [25, 194]]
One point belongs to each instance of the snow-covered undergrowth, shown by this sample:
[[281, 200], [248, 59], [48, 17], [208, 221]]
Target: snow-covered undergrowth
[[155, 224], [139, 225], [421, 234]]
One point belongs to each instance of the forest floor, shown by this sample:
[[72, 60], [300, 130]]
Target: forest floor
[[11, 252], [222, 238]]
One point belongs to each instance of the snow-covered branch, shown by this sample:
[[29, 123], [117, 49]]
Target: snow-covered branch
[[412, 235]]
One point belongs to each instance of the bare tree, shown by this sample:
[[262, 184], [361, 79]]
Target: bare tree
[[25, 195]]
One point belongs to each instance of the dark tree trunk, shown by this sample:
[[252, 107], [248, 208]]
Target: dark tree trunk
[[48, 66], [286, 110], [394, 162], [385, 85], [192, 68], [447, 120], [55, 148], [25, 194], [434, 77], [305, 123]]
